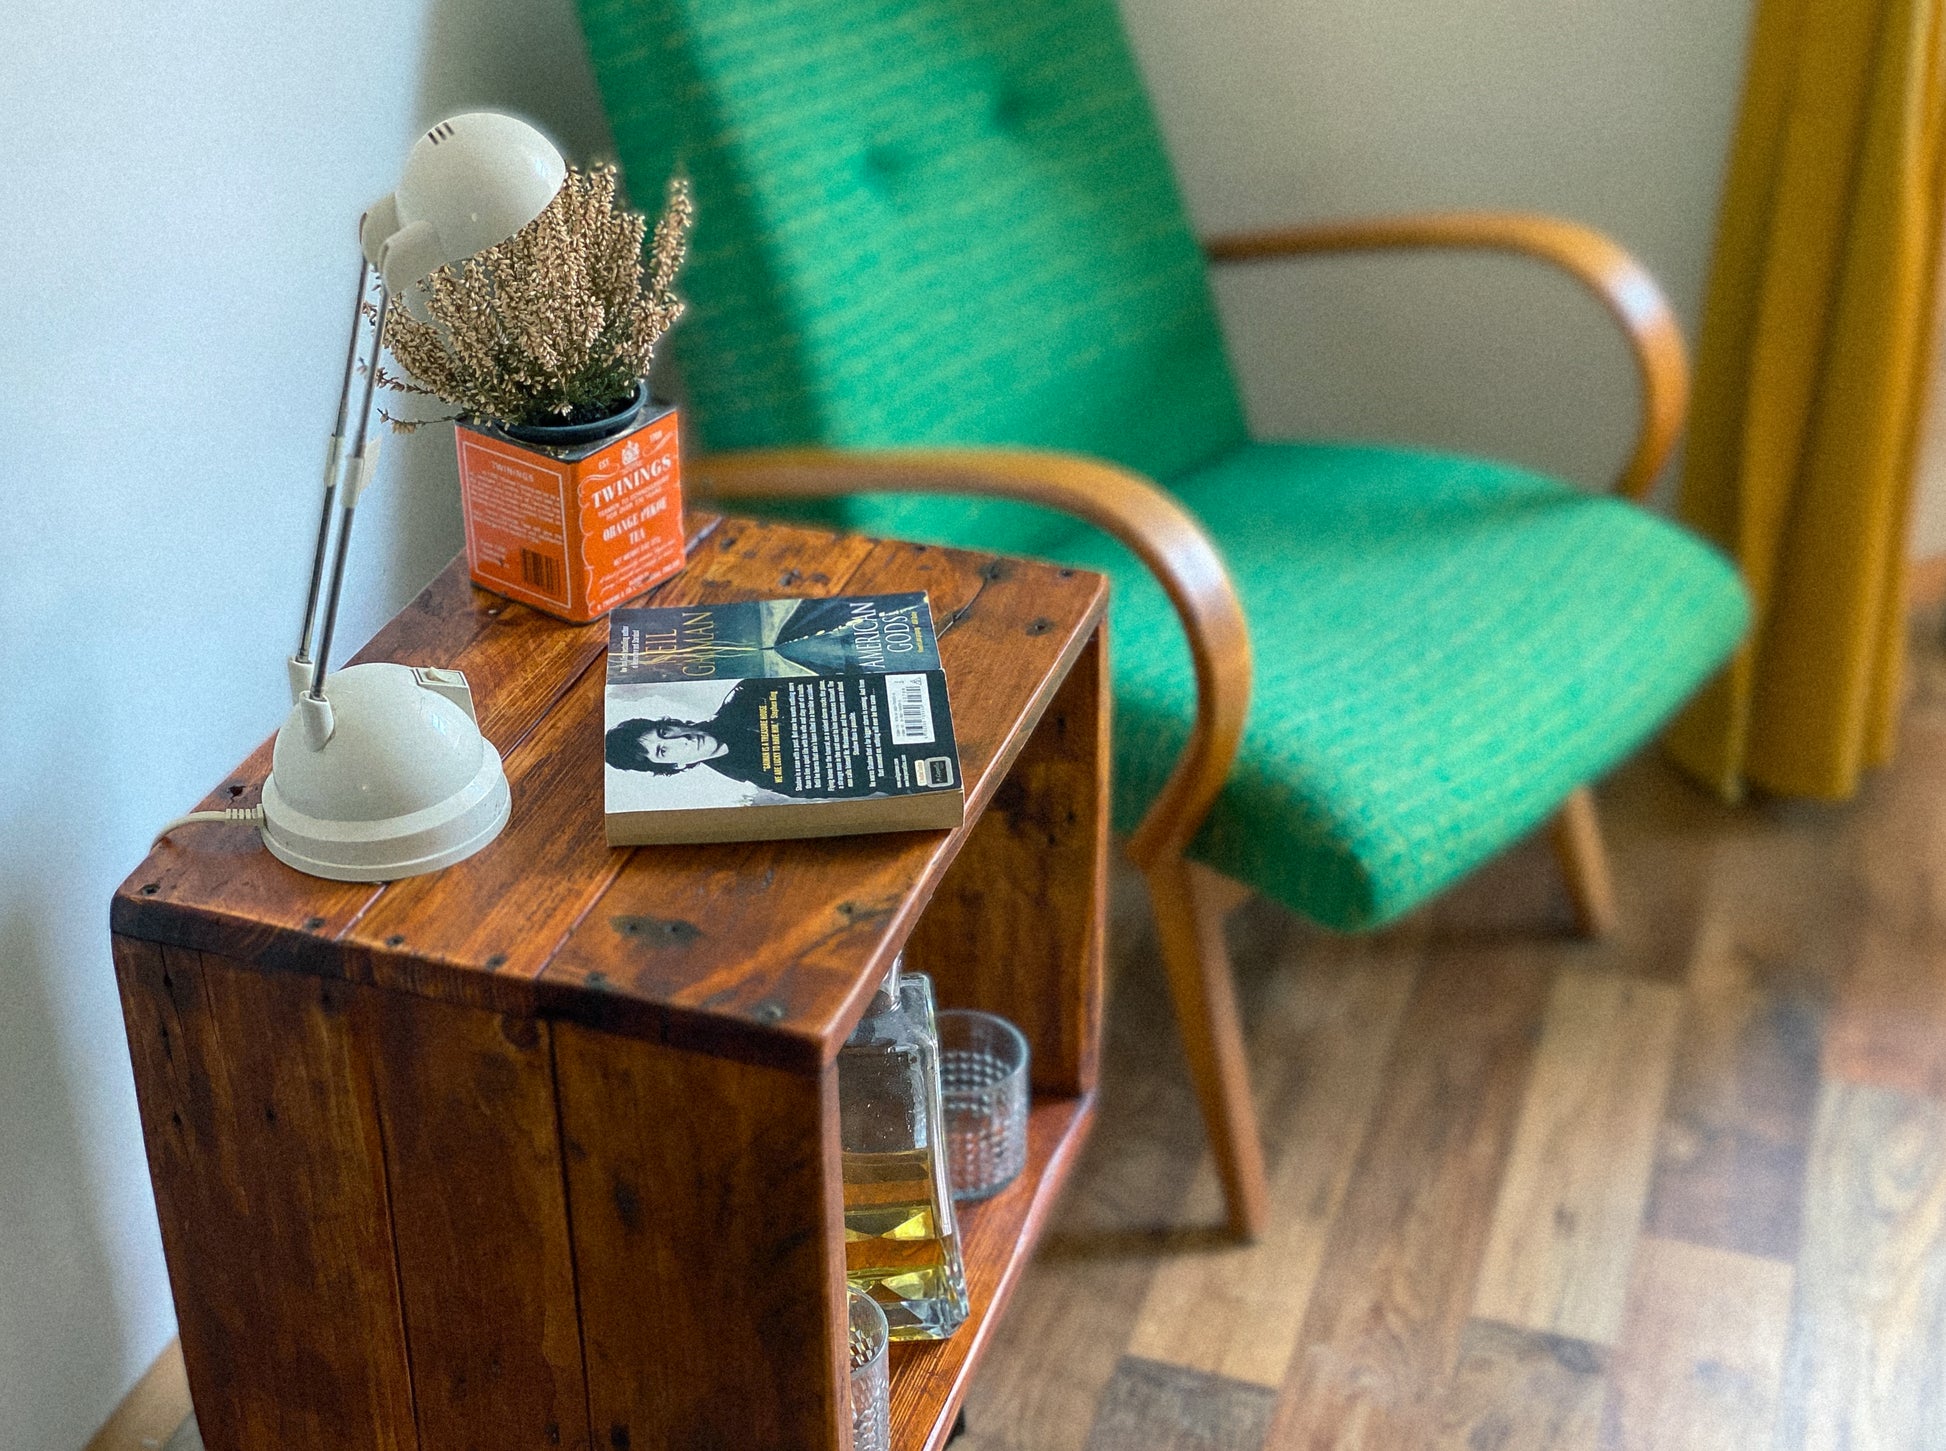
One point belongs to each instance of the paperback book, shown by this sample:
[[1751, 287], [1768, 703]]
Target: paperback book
[[777, 718]]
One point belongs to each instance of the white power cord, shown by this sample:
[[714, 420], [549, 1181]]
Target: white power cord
[[253, 814]]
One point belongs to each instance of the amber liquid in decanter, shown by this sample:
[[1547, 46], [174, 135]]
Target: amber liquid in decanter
[[901, 1244]]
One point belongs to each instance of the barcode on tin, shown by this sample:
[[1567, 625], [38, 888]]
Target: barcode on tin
[[542, 571], [911, 707]]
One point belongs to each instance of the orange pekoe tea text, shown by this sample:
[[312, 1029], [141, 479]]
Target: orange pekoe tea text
[[573, 533]]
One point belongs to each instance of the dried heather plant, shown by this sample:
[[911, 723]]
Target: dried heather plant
[[555, 324]]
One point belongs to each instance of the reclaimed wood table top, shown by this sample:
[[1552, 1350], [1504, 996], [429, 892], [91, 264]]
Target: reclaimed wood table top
[[764, 950]]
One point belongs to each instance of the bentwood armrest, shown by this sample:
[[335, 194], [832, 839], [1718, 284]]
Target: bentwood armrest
[[1622, 284], [1157, 529]]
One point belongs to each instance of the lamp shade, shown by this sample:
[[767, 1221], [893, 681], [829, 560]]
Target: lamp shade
[[470, 183]]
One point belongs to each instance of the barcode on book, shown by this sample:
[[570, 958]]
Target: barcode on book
[[542, 571], [911, 707]]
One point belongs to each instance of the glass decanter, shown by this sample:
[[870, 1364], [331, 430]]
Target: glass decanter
[[901, 1247]]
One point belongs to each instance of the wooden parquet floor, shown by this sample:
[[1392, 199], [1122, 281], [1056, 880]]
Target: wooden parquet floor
[[1683, 1189]]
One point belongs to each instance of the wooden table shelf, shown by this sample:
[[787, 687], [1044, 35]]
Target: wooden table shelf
[[542, 1150], [997, 1238]]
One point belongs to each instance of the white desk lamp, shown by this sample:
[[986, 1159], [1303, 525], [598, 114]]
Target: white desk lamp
[[380, 771]]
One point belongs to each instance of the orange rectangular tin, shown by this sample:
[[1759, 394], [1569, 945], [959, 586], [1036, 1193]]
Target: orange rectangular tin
[[573, 532]]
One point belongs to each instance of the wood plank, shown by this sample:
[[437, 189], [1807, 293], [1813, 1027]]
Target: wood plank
[[1392, 1296], [705, 1201], [759, 559], [1522, 1390], [1863, 1371], [1697, 1364], [1017, 925], [220, 890], [1754, 914], [1662, 833], [1735, 1135], [154, 1409], [771, 949], [1563, 1229], [479, 1225], [1888, 1024], [1162, 1407], [997, 1236], [1029, 1395], [1321, 1049], [265, 1155]]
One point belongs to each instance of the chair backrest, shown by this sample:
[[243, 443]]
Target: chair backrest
[[920, 222]]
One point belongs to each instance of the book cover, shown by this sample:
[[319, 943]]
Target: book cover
[[777, 718]]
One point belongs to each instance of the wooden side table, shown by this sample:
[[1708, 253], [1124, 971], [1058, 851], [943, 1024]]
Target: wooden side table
[[542, 1150]]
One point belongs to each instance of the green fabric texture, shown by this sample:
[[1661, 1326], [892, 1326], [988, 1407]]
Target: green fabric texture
[[927, 222], [921, 222], [1444, 648]]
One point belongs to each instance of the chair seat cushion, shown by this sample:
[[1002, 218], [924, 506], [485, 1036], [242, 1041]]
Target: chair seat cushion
[[1444, 648]]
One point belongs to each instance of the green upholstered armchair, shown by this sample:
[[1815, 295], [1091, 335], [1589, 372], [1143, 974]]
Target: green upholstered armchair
[[939, 252]]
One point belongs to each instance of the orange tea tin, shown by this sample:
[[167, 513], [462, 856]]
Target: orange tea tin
[[573, 531]]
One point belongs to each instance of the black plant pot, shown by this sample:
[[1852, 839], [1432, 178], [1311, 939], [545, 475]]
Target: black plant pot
[[579, 435]]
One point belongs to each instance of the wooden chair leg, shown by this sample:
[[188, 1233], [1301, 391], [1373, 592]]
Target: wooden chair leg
[[1584, 863], [1189, 909]]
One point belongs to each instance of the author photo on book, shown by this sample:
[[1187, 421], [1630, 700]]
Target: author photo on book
[[730, 743]]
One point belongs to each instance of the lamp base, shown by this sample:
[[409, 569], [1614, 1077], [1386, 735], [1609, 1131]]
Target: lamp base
[[399, 846], [393, 779]]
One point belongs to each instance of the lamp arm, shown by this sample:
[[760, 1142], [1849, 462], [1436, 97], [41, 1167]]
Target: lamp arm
[[364, 459], [300, 661]]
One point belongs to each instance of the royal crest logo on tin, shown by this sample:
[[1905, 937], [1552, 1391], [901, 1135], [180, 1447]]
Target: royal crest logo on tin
[[631, 451]]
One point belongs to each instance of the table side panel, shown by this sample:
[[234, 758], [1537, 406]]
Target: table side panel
[[479, 1224], [1016, 927], [707, 1214], [265, 1152], [771, 949]]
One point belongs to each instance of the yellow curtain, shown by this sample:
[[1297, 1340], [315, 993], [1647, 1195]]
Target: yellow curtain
[[1811, 369]]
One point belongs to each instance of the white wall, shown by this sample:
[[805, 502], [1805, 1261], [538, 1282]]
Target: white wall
[[177, 208], [1616, 114], [176, 218]]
